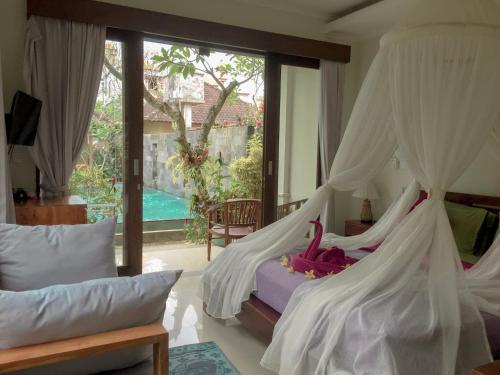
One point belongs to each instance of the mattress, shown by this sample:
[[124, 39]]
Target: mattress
[[275, 286]]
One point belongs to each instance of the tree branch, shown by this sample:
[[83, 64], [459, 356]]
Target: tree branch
[[209, 70], [215, 110], [249, 78], [174, 113]]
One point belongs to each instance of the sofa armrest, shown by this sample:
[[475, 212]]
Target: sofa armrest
[[58, 351]]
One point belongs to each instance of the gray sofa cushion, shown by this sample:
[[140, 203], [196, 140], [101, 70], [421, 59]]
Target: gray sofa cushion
[[64, 311], [39, 256]]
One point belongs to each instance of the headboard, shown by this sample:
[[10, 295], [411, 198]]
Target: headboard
[[483, 201], [487, 202]]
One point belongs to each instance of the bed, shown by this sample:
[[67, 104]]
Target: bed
[[274, 285]]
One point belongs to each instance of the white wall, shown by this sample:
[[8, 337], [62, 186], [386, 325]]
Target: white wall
[[482, 177], [299, 116], [12, 26]]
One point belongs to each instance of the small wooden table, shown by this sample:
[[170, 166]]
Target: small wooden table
[[65, 210], [355, 227], [489, 369], [65, 350]]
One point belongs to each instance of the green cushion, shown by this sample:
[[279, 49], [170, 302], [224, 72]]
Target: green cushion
[[469, 258], [465, 222], [486, 234]]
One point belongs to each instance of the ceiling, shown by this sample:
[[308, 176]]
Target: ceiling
[[326, 10], [369, 22]]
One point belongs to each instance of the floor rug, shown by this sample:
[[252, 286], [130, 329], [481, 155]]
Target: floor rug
[[205, 358]]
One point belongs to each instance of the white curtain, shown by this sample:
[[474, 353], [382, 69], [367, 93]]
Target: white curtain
[[330, 128], [63, 63], [368, 144], [7, 214], [493, 143], [483, 280], [407, 308]]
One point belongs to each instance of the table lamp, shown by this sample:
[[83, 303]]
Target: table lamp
[[367, 192]]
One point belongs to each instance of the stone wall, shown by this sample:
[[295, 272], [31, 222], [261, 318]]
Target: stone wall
[[230, 142]]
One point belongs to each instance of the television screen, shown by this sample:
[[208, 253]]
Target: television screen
[[22, 121]]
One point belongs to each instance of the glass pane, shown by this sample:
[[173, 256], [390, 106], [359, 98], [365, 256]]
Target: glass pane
[[298, 137], [185, 174], [98, 176]]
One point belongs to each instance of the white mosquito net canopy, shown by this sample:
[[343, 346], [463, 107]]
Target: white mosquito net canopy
[[432, 92]]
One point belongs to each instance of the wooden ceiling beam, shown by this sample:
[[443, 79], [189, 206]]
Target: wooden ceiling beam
[[189, 29]]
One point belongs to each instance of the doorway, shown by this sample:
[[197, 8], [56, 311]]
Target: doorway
[[202, 145]]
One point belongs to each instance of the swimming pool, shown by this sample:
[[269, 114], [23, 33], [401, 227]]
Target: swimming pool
[[160, 205]]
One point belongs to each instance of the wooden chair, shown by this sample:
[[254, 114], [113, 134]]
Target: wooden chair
[[287, 208], [233, 219]]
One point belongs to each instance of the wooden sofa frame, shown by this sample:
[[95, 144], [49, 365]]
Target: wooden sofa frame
[[64, 350]]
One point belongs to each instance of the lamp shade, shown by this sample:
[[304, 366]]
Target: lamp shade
[[366, 191]]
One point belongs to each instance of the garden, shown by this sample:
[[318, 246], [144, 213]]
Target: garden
[[208, 177]]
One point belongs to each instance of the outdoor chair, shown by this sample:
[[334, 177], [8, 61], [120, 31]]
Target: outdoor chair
[[287, 208], [233, 219]]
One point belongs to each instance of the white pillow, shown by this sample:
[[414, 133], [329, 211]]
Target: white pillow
[[65, 311], [33, 257]]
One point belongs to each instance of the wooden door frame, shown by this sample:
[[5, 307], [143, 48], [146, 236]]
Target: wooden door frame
[[185, 28], [272, 91], [132, 104], [272, 96]]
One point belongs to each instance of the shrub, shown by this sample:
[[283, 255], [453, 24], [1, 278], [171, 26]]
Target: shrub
[[247, 171], [92, 184]]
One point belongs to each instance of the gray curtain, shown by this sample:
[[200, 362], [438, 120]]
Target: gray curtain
[[7, 214], [62, 67], [330, 117]]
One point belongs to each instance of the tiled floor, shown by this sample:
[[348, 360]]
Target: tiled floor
[[184, 316], [188, 324], [178, 255], [173, 256]]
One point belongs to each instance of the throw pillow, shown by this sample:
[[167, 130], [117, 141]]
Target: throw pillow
[[33, 257]]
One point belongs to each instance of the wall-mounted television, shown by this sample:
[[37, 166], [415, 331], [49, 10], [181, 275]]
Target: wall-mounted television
[[22, 121]]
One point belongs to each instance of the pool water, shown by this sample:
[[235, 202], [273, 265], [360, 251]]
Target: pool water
[[160, 205]]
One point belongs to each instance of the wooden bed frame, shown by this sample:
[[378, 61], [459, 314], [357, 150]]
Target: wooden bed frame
[[260, 319]]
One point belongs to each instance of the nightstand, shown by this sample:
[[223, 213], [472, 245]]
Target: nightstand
[[65, 210], [355, 227]]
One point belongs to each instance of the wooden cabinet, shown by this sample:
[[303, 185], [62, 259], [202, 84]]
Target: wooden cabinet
[[66, 210], [355, 227]]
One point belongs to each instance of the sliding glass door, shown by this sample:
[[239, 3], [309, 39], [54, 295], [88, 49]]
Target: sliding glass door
[[106, 174], [202, 145], [172, 135]]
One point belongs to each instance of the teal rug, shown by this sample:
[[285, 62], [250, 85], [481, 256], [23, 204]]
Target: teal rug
[[205, 358]]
